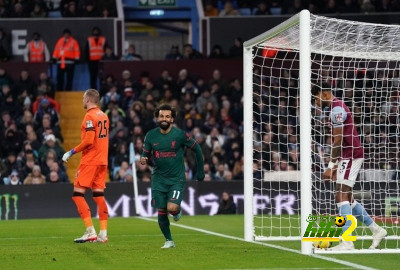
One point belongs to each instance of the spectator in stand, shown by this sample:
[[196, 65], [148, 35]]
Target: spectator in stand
[[11, 163], [4, 78], [190, 53], [47, 87], [25, 83], [56, 175], [45, 128], [217, 53], [262, 8], [229, 10], [174, 53], [45, 108], [90, 10], [131, 54], [70, 9], [331, 7], [236, 51], [42, 95], [367, 6], [349, 6], [124, 173], [13, 179], [95, 47], [36, 51], [12, 142], [226, 205], [50, 143], [210, 10], [296, 7], [109, 54], [66, 53], [5, 46], [18, 11], [38, 11], [36, 177]]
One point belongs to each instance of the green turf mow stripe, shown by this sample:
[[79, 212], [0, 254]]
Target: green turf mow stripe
[[346, 263]]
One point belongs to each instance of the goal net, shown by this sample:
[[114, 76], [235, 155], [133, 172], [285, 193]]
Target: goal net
[[288, 140]]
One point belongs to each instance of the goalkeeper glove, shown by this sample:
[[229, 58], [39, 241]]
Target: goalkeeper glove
[[67, 155]]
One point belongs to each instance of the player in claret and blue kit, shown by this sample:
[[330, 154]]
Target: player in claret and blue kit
[[347, 156], [165, 145]]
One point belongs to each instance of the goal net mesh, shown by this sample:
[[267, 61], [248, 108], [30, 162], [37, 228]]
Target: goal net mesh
[[359, 62]]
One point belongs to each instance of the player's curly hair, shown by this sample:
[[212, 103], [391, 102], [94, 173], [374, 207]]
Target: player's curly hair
[[165, 107], [315, 90]]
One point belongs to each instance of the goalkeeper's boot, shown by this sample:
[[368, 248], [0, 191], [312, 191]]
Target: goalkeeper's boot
[[168, 244], [378, 237], [102, 238], [344, 245], [88, 236], [178, 216]]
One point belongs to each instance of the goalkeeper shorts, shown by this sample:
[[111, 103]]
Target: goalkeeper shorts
[[91, 176]]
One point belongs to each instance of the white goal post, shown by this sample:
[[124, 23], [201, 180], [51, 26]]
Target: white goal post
[[282, 127]]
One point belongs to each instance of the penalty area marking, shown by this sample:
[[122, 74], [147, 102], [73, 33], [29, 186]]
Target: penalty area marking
[[346, 263]]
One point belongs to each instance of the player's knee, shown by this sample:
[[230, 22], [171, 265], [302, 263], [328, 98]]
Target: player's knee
[[173, 208]]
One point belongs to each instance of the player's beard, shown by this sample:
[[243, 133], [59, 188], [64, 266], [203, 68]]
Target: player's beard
[[164, 125], [324, 104]]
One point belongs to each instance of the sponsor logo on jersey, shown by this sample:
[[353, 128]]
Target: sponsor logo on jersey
[[158, 154]]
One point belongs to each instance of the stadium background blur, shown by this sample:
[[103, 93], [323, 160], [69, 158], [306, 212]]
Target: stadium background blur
[[202, 80]]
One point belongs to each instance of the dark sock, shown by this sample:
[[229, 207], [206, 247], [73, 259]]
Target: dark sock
[[163, 222]]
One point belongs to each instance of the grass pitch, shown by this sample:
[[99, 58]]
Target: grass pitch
[[205, 242]]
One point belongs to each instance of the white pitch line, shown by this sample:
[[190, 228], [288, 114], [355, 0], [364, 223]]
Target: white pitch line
[[346, 263]]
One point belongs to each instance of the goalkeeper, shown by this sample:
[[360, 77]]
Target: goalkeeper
[[347, 156], [165, 144]]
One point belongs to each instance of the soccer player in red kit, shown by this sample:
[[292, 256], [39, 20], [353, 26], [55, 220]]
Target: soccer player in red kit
[[347, 157], [92, 170]]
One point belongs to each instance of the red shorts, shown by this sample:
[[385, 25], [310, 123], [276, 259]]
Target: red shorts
[[93, 177]]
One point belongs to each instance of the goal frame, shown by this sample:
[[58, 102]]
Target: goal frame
[[303, 19]]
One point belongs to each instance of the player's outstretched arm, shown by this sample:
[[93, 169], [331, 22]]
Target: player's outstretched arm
[[86, 142]]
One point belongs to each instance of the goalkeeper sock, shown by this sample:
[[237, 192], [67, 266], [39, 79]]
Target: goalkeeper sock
[[344, 210], [98, 197], [163, 222], [83, 208], [361, 214]]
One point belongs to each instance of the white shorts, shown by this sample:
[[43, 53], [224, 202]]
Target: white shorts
[[348, 170]]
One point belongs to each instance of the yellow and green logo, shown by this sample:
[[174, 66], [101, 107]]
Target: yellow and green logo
[[329, 228]]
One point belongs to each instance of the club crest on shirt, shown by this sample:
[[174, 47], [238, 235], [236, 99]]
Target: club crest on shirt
[[173, 144], [339, 118], [89, 124]]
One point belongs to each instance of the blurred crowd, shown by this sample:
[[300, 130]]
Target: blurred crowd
[[30, 136], [373, 97], [60, 8], [209, 109], [282, 7]]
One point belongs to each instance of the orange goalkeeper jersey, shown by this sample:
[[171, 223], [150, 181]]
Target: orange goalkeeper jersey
[[95, 153]]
